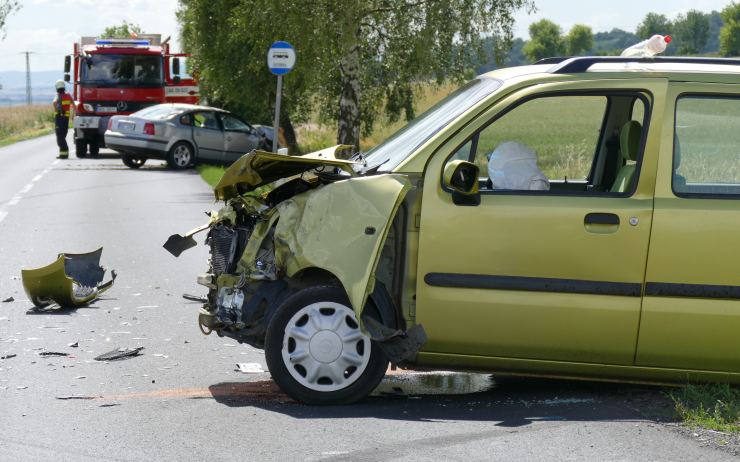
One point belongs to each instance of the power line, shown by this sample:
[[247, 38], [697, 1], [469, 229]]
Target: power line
[[28, 76]]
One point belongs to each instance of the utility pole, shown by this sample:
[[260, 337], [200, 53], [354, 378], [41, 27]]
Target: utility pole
[[28, 76]]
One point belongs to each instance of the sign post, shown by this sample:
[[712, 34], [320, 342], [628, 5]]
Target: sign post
[[280, 60]]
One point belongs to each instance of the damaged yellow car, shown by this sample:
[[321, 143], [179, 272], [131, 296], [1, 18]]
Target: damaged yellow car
[[559, 219]]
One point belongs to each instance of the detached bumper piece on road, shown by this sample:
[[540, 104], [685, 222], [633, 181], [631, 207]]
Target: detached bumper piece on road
[[73, 280]]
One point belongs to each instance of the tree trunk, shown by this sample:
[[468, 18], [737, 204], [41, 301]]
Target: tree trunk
[[349, 101], [289, 132]]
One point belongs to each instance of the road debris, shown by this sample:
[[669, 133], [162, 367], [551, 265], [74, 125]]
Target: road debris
[[52, 353], [8, 300], [8, 356], [71, 281], [74, 345], [76, 397], [195, 298], [21, 387], [119, 353], [249, 368]]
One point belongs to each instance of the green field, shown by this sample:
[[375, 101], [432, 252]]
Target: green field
[[19, 123]]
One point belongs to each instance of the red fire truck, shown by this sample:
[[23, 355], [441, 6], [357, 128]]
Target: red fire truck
[[120, 76]]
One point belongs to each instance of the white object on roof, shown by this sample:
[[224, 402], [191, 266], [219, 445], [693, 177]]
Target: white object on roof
[[650, 47], [513, 165]]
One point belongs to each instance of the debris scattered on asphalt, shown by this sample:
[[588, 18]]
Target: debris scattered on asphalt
[[397, 392], [160, 355], [53, 353], [119, 353], [81, 377], [8, 356], [110, 405], [249, 368], [72, 280], [76, 397], [74, 345], [21, 387], [8, 300]]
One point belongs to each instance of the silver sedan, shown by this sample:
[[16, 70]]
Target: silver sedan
[[184, 134]]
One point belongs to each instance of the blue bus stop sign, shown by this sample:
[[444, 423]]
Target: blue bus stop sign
[[281, 58]]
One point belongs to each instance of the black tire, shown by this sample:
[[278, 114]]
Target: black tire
[[353, 385], [80, 148], [132, 161], [181, 156], [94, 148]]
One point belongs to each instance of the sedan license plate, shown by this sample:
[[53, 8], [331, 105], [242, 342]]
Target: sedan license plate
[[126, 126]]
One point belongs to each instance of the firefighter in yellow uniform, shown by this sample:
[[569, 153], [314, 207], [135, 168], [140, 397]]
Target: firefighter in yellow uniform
[[62, 105]]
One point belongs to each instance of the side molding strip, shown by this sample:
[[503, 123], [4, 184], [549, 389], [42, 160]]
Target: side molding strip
[[670, 289], [572, 286]]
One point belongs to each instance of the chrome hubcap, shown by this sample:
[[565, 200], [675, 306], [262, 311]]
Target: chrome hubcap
[[323, 347]]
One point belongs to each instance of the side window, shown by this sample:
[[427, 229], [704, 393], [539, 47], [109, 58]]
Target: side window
[[186, 119], [232, 123], [205, 120], [547, 143], [705, 148]]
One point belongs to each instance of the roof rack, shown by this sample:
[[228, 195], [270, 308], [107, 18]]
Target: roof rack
[[570, 65]]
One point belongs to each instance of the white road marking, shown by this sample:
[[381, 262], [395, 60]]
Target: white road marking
[[17, 198]]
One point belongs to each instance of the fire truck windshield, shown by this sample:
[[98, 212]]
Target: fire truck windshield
[[108, 70]]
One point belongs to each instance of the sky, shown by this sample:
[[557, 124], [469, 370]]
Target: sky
[[50, 27]]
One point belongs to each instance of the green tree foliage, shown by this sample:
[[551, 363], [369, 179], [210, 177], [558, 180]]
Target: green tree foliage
[[124, 30], [652, 24], [7, 7], [352, 56], [545, 40], [729, 35], [691, 31], [715, 25], [580, 39]]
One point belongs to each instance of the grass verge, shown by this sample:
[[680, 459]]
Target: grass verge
[[715, 406], [18, 123], [211, 173]]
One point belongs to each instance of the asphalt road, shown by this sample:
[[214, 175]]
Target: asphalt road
[[182, 399]]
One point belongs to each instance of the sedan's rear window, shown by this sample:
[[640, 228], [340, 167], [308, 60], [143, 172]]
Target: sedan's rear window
[[158, 112]]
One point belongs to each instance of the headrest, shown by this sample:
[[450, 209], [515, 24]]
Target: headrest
[[629, 139]]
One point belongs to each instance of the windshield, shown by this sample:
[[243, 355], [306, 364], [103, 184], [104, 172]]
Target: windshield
[[387, 155], [106, 70]]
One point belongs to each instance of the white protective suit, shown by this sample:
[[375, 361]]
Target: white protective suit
[[513, 165]]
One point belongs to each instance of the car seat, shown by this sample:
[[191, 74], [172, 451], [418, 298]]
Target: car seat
[[629, 143]]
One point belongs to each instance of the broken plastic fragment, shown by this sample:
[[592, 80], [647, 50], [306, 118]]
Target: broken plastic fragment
[[53, 353], [72, 280], [250, 368], [8, 300], [119, 353]]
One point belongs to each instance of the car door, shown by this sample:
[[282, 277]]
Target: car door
[[239, 137], [208, 136], [691, 312], [553, 274]]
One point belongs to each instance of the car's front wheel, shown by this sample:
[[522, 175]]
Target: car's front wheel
[[181, 156], [132, 161], [316, 351]]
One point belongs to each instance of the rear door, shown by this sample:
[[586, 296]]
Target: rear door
[[239, 137], [691, 311], [208, 136]]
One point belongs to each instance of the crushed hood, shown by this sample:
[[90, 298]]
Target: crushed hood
[[259, 168]]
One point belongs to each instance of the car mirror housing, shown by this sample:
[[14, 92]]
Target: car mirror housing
[[462, 178]]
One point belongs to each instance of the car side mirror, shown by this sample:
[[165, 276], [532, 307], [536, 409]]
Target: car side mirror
[[176, 66], [462, 178], [67, 64], [66, 78]]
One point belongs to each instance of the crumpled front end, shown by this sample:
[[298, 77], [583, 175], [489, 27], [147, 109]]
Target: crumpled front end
[[72, 280], [324, 223]]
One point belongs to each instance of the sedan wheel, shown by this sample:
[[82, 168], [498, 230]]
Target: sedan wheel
[[316, 351], [180, 156]]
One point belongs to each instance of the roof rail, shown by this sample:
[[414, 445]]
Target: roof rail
[[583, 63]]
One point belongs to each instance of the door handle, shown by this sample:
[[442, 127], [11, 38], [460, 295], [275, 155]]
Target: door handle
[[601, 219]]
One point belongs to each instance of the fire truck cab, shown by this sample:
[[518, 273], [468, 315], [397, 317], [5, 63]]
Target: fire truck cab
[[121, 76]]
